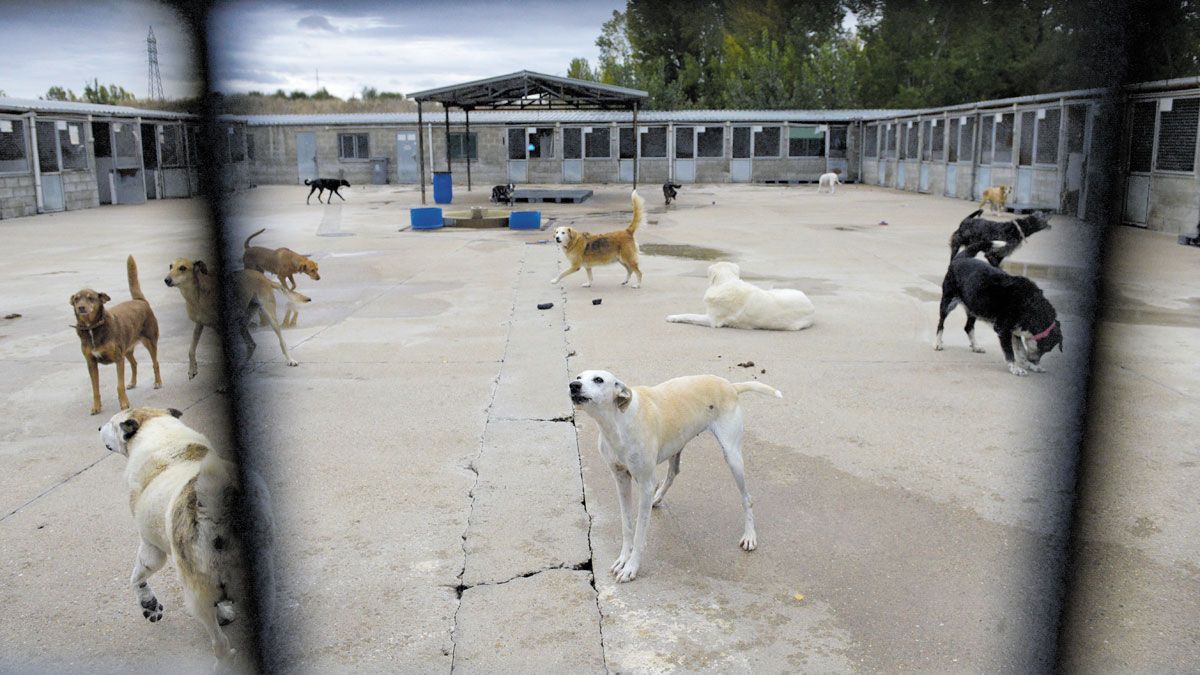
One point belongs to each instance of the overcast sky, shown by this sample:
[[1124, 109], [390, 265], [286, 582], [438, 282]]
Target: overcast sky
[[67, 43], [266, 46], [401, 47]]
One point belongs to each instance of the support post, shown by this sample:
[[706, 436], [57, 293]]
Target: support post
[[447, 109], [637, 146], [421, 151], [467, 146]]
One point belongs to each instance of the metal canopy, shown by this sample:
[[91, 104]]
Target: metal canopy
[[524, 90]]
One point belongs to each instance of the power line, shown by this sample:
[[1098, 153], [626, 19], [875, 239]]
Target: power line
[[153, 77]]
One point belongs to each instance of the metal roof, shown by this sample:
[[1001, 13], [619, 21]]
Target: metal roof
[[23, 105], [526, 89], [571, 117]]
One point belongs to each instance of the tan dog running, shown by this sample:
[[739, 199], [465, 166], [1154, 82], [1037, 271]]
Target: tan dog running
[[587, 250], [283, 263], [997, 196], [182, 496], [201, 293], [643, 427], [108, 335]]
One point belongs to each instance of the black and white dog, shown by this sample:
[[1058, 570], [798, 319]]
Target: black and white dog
[[670, 191], [503, 194], [976, 230], [1024, 320], [320, 185]]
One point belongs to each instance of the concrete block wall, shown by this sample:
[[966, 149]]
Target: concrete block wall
[[80, 190], [17, 196]]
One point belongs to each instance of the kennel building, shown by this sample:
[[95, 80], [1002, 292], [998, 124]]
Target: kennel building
[[59, 156]]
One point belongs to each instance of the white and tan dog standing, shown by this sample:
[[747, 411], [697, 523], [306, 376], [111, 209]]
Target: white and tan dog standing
[[828, 180], [733, 303], [642, 427], [182, 495]]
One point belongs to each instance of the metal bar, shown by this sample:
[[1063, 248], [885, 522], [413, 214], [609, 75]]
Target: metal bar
[[448, 166], [35, 162], [637, 143], [467, 148], [421, 151]]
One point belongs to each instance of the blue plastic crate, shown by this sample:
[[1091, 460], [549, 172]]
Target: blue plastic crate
[[429, 218], [525, 220]]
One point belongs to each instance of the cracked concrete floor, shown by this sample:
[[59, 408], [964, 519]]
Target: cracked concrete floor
[[440, 508]]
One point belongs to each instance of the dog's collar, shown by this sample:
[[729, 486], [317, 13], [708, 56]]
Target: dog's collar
[[1017, 224], [1043, 334], [90, 329]]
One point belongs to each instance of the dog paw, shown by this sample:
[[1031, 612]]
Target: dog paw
[[124, 405], [158, 385], [937, 347], [96, 410], [628, 572], [979, 350], [293, 362], [131, 385], [152, 609], [616, 566], [193, 372], [1033, 367], [1017, 370], [586, 284], [225, 613], [749, 541], [635, 285]]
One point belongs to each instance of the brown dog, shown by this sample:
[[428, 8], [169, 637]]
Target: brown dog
[[996, 196], [108, 335], [282, 262], [201, 293], [587, 250]]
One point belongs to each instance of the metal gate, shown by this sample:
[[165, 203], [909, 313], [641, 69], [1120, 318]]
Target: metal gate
[[951, 180], [1137, 200], [1024, 194], [901, 174], [129, 186], [407, 168], [923, 178], [572, 166], [740, 168], [983, 181], [882, 172], [685, 154], [49, 164], [306, 155]]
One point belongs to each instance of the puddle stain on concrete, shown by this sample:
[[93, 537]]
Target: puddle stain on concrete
[[1119, 307], [684, 251], [922, 294]]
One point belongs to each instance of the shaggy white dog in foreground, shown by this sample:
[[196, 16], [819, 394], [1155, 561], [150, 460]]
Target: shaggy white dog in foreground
[[733, 303]]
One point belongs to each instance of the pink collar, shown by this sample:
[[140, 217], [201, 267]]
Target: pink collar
[[1046, 332]]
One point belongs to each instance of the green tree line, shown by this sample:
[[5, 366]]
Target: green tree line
[[898, 54]]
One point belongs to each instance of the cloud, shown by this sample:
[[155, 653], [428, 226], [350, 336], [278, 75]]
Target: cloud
[[316, 22]]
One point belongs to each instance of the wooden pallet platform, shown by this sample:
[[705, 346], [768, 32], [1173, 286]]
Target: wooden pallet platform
[[551, 196]]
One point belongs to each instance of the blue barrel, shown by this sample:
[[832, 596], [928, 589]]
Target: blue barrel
[[443, 187], [429, 218], [525, 220]]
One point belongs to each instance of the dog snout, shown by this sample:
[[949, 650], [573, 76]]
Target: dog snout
[[167, 281], [576, 386]]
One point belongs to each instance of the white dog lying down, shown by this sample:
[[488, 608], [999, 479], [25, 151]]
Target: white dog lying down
[[733, 303], [828, 180], [643, 427]]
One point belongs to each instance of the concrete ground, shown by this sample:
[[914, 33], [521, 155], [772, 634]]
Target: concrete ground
[[439, 506]]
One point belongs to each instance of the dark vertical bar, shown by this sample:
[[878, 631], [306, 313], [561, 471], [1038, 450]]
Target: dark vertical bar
[[467, 145], [421, 150], [447, 109], [637, 143]]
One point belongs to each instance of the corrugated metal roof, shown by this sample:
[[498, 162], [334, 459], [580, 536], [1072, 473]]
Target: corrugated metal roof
[[488, 87], [22, 105], [570, 117]]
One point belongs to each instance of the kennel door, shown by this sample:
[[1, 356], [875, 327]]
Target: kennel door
[[923, 186], [407, 168], [1137, 200], [983, 181], [306, 155]]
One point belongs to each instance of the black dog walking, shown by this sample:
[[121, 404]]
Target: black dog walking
[[1024, 319], [320, 185], [670, 191], [976, 230]]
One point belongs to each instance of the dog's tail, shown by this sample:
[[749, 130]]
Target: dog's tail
[[298, 298], [756, 387], [639, 213], [135, 288], [306, 182], [246, 245]]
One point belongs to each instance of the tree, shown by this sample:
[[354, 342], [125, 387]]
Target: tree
[[112, 94], [57, 93], [580, 70]]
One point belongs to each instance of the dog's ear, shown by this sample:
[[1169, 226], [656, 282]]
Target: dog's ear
[[104, 297], [200, 267], [73, 300], [175, 412], [129, 427], [623, 395]]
